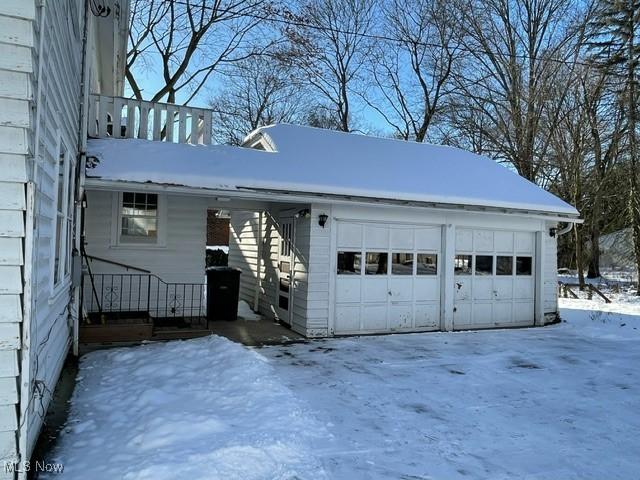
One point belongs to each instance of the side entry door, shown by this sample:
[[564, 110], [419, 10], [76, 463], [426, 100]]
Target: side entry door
[[286, 269]]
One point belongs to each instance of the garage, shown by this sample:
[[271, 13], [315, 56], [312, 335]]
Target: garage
[[493, 279], [387, 278]]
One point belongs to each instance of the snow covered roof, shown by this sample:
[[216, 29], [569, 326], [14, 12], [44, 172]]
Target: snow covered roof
[[316, 161]]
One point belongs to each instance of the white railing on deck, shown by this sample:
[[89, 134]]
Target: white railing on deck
[[118, 117]]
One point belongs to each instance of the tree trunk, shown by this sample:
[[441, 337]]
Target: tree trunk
[[579, 260], [594, 253], [634, 192]]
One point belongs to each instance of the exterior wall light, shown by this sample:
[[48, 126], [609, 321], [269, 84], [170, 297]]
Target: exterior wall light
[[322, 219], [552, 232]]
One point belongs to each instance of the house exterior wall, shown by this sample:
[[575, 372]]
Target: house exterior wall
[[40, 70], [183, 228], [550, 275], [18, 19], [243, 250], [244, 239]]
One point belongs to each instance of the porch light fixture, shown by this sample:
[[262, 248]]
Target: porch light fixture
[[322, 219], [552, 232]]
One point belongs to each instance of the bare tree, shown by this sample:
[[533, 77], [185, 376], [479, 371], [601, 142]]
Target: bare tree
[[257, 92], [188, 40], [606, 125], [568, 156], [411, 71], [517, 48], [328, 46]]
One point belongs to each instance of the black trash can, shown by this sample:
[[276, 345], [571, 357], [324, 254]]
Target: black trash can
[[223, 289]]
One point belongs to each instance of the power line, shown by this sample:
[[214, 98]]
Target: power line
[[385, 38]]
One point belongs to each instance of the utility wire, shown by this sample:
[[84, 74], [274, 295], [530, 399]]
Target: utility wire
[[384, 38]]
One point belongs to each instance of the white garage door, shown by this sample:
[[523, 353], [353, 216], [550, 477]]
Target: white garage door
[[387, 278], [494, 279]]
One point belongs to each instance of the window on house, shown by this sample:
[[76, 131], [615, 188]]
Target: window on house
[[139, 218], [62, 243], [504, 265], [523, 265], [462, 264], [427, 264], [484, 265], [376, 263], [349, 263], [402, 263]]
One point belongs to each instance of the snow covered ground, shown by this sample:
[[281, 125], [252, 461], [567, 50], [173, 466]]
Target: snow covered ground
[[560, 402], [198, 409]]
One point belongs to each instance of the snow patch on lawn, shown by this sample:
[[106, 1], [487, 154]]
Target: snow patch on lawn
[[204, 408]]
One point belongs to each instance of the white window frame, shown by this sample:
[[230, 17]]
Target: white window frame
[[116, 223], [60, 279]]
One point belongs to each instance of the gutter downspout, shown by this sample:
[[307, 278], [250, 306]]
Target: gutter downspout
[[28, 313], [256, 293], [80, 179], [565, 230]]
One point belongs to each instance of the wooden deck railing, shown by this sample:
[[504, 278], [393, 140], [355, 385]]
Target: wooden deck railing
[[118, 117]]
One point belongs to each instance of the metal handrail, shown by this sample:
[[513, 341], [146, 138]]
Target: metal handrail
[[112, 262], [132, 295]]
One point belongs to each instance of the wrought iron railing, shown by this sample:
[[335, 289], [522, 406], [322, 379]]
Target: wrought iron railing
[[118, 117], [120, 298]]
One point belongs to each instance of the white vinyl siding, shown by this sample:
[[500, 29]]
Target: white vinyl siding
[[17, 20], [550, 274], [181, 259], [243, 254], [48, 337]]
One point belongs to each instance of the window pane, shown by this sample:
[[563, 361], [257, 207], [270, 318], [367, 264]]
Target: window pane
[[523, 265], [484, 265], [139, 216], [284, 267], [70, 203], [376, 263], [284, 284], [67, 268], [504, 265], [58, 250], [349, 263], [427, 264], [61, 182], [283, 302], [462, 265], [139, 226], [402, 263]]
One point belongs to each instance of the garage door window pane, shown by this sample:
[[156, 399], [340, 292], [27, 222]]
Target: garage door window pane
[[484, 264], [462, 265], [523, 265], [349, 263], [504, 265], [427, 264], [402, 263], [376, 263]]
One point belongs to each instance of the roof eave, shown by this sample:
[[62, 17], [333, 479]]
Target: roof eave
[[309, 197]]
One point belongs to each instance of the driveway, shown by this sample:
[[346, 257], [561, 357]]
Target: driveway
[[560, 402]]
